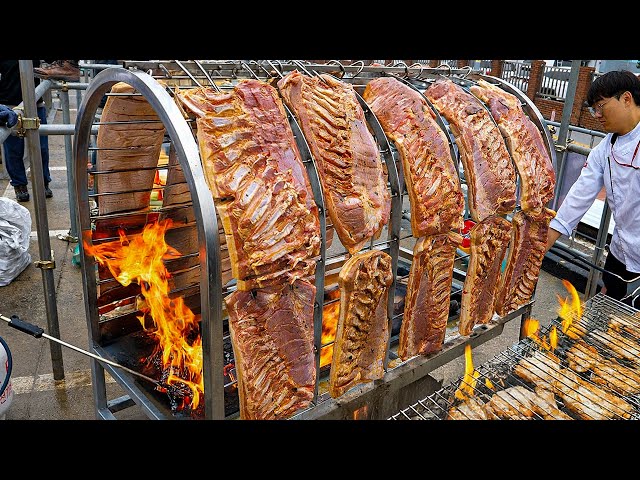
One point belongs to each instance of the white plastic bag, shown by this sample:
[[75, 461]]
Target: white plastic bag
[[15, 228]]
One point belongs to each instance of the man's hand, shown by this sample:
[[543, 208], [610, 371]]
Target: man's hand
[[8, 118]]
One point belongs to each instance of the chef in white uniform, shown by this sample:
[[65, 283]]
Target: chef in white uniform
[[613, 99]]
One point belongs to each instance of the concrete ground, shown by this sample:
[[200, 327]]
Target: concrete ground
[[37, 396]]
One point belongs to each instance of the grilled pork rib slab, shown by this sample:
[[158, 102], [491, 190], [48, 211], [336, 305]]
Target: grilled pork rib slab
[[525, 143], [432, 181], [362, 332], [524, 260], [488, 168], [261, 187], [426, 310], [129, 138], [346, 154], [272, 337], [489, 241]]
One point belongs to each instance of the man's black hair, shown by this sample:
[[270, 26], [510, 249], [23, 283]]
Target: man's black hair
[[614, 83]]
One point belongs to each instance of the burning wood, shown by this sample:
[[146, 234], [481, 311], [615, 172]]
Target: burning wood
[[140, 259]]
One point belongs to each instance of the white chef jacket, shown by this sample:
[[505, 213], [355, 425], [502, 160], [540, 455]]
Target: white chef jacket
[[622, 185]]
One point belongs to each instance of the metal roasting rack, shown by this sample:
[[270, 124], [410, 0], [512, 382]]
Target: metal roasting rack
[[497, 373], [115, 336]]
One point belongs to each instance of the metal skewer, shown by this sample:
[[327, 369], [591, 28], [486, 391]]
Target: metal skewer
[[38, 332]]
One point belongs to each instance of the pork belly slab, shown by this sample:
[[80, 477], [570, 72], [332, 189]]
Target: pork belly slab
[[488, 168], [347, 157], [489, 241], [272, 337], [426, 310], [362, 333], [525, 143], [430, 174], [260, 185], [526, 253]]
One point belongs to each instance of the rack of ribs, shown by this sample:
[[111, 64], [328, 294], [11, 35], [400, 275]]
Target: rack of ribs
[[346, 155], [525, 143], [430, 175], [488, 168]]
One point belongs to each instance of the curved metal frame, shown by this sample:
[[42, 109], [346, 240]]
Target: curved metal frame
[[208, 241]]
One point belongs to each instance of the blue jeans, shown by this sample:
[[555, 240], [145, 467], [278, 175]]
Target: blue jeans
[[14, 151]]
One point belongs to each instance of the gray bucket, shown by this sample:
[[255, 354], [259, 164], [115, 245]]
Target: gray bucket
[[6, 391]]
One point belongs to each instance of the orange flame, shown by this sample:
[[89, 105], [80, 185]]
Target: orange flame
[[468, 383], [140, 259], [330, 315], [570, 311]]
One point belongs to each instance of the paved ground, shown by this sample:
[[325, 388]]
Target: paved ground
[[39, 397]]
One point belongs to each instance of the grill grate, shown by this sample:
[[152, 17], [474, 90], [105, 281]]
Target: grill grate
[[608, 330]]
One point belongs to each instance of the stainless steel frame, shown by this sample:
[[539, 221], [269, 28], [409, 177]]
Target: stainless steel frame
[[401, 377]]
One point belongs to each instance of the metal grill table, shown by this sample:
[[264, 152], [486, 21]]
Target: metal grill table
[[598, 329]]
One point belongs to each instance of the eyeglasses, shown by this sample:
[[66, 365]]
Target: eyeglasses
[[597, 109], [632, 158]]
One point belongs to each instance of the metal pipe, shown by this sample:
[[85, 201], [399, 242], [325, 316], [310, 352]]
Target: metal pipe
[[38, 92], [46, 264], [567, 109], [60, 129], [68, 150]]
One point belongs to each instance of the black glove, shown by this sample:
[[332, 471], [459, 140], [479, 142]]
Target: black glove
[[8, 118]]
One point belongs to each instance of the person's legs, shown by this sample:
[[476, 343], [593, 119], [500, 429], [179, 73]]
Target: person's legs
[[617, 287], [44, 146], [13, 154]]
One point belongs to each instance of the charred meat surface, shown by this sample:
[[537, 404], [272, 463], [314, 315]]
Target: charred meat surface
[[347, 157], [432, 181], [362, 333], [488, 168], [272, 335]]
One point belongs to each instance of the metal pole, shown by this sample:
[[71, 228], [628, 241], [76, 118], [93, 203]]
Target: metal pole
[[68, 150], [46, 264], [563, 133]]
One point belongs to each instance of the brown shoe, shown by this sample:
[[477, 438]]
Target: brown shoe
[[59, 70]]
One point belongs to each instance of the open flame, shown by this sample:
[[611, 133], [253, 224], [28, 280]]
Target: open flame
[[468, 383], [569, 311], [139, 259], [330, 316]]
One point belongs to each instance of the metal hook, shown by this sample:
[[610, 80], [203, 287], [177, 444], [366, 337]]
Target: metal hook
[[301, 67], [248, 68], [445, 65], [184, 69], [164, 69], [213, 84], [259, 65], [406, 68], [469, 70], [361, 68], [419, 65], [280, 74], [337, 62]]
